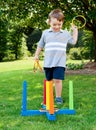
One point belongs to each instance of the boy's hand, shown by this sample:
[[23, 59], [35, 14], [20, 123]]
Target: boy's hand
[[36, 58], [37, 65], [73, 27]]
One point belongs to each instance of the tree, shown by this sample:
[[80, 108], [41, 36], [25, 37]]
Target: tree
[[15, 38], [32, 39], [88, 45], [3, 38], [33, 13]]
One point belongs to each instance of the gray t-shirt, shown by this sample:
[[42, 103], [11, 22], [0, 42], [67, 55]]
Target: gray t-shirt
[[55, 44]]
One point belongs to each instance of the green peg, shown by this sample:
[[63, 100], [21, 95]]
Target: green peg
[[71, 106]]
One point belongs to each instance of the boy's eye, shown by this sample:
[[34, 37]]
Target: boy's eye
[[56, 24]]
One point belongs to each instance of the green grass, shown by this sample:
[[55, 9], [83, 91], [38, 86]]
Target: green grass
[[12, 75]]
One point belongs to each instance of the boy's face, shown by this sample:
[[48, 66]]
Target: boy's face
[[55, 24]]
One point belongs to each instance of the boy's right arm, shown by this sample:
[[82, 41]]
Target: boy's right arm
[[38, 50], [40, 46]]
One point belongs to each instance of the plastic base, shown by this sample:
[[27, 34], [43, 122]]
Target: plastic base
[[44, 112]]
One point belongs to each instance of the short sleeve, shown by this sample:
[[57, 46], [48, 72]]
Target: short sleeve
[[41, 42]]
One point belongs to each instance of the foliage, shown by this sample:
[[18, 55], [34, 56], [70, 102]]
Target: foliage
[[87, 51], [29, 14], [74, 66], [3, 38], [15, 40], [32, 39], [84, 49], [74, 54]]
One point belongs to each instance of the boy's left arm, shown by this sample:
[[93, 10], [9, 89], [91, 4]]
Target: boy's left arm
[[75, 33]]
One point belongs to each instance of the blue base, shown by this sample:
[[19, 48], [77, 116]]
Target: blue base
[[66, 111], [32, 112], [44, 112], [51, 117]]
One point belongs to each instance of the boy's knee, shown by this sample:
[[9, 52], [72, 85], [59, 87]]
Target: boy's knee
[[57, 80]]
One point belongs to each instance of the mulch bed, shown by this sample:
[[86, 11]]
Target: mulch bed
[[89, 68]]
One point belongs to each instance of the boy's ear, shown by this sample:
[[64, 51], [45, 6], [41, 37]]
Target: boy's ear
[[48, 21]]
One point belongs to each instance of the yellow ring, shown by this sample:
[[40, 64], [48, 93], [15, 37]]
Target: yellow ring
[[82, 17]]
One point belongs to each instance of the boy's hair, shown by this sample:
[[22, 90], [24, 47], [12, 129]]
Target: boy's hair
[[56, 13]]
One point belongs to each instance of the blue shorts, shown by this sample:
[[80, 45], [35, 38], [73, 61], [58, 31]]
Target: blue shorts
[[54, 73]]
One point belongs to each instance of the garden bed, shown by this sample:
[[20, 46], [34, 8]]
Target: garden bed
[[89, 68]]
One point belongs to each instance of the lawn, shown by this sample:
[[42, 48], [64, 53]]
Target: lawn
[[12, 75]]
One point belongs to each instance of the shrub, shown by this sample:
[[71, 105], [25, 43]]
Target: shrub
[[72, 66], [74, 54]]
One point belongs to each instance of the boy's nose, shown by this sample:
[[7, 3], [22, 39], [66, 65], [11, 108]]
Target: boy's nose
[[57, 26]]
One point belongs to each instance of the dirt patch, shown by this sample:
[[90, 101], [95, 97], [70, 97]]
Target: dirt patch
[[89, 68]]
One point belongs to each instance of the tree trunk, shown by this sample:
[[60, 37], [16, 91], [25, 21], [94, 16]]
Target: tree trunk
[[94, 33]]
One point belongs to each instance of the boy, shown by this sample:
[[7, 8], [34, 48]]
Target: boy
[[55, 41]]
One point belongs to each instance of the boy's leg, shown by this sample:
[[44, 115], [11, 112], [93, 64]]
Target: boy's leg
[[58, 87], [58, 76]]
